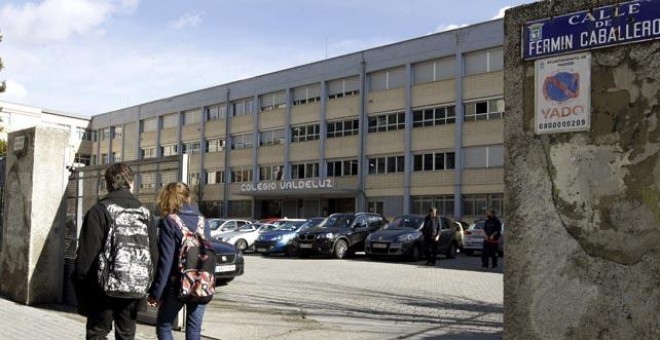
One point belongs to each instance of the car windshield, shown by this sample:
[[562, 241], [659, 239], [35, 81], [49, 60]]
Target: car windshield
[[291, 225], [215, 224], [338, 221], [410, 222], [478, 226], [248, 227], [268, 227]]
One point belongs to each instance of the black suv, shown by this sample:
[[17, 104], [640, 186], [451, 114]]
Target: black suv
[[339, 235]]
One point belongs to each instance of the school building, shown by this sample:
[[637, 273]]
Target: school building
[[393, 129]]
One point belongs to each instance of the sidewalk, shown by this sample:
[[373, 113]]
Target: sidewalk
[[20, 322]]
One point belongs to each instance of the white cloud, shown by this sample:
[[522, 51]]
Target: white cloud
[[190, 19], [500, 13], [15, 92], [447, 27], [57, 20]]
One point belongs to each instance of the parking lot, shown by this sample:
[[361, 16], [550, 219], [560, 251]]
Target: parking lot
[[358, 298]]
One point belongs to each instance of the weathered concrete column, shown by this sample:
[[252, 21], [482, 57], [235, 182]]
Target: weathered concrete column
[[583, 208], [31, 257]]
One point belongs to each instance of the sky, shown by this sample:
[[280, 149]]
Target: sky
[[93, 56]]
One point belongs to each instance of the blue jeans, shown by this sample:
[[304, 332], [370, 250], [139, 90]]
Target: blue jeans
[[167, 312]]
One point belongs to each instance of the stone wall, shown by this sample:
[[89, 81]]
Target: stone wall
[[31, 257], [583, 208]]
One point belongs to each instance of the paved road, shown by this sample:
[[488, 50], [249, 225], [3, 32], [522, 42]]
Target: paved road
[[290, 298]]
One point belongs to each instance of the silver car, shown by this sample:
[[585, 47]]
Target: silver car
[[473, 238]]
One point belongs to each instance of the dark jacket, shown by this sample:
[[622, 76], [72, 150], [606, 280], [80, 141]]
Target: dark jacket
[[431, 227], [169, 245], [90, 243], [493, 227]]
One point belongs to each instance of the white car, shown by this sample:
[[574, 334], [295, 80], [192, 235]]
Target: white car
[[220, 225], [243, 238], [473, 238]]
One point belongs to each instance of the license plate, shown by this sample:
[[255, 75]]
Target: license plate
[[305, 246], [261, 250], [225, 268], [379, 245]]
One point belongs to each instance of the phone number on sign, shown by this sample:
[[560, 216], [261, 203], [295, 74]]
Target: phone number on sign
[[563, 124]]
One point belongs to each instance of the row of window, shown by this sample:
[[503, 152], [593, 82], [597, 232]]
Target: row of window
[[474, 205]]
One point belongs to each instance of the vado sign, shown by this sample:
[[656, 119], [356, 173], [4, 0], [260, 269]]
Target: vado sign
[[289, 185], [563, 94]]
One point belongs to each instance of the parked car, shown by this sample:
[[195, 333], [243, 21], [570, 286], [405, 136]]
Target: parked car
[[219, 225], [473, 239], [280, 240], [243, 238], [403, 238], [230, 263], [339, 235], [460, 227]]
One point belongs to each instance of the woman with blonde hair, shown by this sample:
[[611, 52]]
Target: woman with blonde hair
[[174, 199]]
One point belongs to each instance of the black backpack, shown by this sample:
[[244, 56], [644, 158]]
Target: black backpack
[[125, 265], [196, 263]]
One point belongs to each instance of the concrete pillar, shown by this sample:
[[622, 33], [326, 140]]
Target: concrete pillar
[[583, 207], [32, 253]]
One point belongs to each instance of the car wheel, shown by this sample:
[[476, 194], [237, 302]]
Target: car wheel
[[415, 253], [241, 244], [223, 282], [341, 249], [451, 252], [469, 252]]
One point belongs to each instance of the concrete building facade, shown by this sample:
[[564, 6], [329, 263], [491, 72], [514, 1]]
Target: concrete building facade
[[394, 129]]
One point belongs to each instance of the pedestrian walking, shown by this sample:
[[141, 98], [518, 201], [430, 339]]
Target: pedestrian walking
[[175, 199], [431, 232], [492, 231], [111, 275]]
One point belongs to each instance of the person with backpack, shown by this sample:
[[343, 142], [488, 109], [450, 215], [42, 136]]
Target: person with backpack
[[179, 237], [115, 259]]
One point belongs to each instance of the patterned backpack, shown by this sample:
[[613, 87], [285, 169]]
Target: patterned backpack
[[125, 265], [197, 261]]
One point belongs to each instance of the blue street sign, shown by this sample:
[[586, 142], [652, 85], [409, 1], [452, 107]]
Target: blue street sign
[[623, 23]]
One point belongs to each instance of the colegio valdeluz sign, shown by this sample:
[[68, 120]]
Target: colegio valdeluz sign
[[622, 23], [303, 184]]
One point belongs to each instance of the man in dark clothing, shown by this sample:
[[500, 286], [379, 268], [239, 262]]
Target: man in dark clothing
[[431, 231], [492, 229], [93, 301]]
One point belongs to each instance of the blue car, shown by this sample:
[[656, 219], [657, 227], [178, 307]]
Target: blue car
[[280, 240]]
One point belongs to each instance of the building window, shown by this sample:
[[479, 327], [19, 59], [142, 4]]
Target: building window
[[149, 152], [434, 116], [215, 177], [147, 180], [387, 122], [491, 156], [434, 70], [270, 173], [483, 61], [85, 134], [169, 150], [475, 205], [148, 125], [216, 112], [484, 110], [191, 147], [342, 168], [272, 101], [241, 175], [116, 157], [388, 79], [242, 141], [193, 178], [344, 87], [241, 208], [243, 107], [272, 137], [305, 133], [422, 204], [343, 128], [165, 177], [192, 117], [434, 161], [386, 165], [170, 120], [304, 170], [215, 145], [116, 131], [106, 133], [306, 94], [375, 207], [83, 159]]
